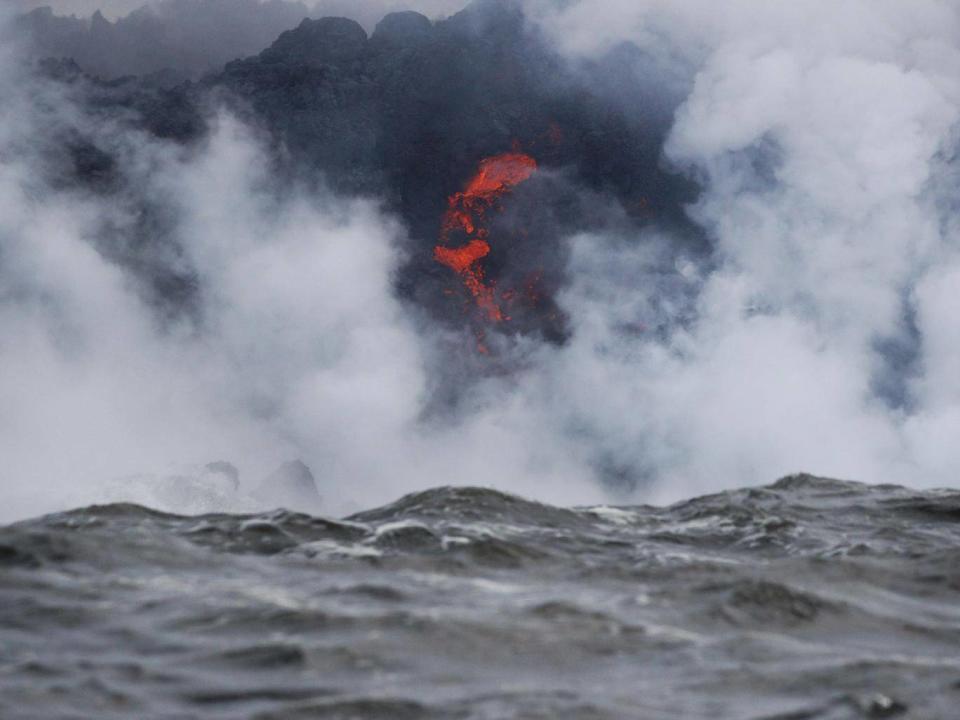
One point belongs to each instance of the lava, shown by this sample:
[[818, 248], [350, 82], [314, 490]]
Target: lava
[[465, 213], [460, 259]]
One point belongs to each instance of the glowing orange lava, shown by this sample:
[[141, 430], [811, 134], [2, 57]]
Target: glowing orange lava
[[460, 259], [465, 213]]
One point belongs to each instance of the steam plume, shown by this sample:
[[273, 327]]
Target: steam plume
[[816, 331]]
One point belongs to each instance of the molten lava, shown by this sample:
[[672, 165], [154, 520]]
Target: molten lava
[[460, 259], [465, 213]]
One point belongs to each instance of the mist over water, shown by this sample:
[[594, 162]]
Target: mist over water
[[812, 328]]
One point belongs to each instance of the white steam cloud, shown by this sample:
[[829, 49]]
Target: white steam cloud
[[823, 335], [823, 133], [303, 351]]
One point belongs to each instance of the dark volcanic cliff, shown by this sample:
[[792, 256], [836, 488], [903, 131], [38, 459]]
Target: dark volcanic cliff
[[407, 113]]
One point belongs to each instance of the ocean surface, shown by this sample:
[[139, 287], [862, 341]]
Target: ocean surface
[[808, 598]]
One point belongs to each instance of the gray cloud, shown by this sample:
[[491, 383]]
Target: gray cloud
[[359, 10], [190, 37]]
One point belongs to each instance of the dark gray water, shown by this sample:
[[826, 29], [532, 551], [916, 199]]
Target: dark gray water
[[809, 598]]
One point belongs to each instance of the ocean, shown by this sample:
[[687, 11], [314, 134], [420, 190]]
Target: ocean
[[808, 598]]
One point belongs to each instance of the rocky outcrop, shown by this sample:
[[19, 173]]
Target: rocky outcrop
[[315, 43], [402, 30]]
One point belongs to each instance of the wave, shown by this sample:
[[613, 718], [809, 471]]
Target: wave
[[809, 597]]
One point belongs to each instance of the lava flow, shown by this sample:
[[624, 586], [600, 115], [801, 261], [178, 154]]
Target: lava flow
[[465, 213]]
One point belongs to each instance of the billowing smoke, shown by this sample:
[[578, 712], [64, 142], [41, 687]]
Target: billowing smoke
[[824, 136], [290, 342], [744, 221]]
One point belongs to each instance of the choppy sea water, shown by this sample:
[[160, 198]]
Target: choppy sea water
[[809, 598]]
